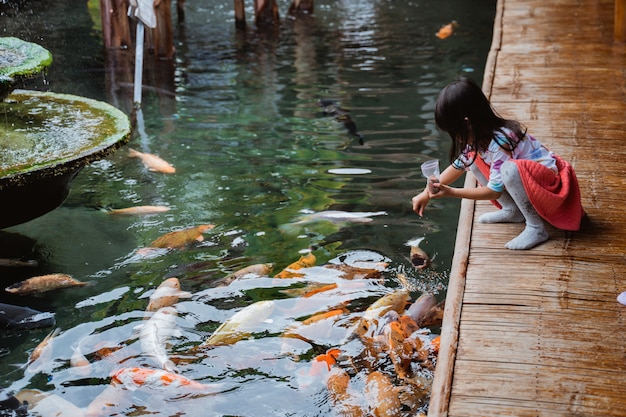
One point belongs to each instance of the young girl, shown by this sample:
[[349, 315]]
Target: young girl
[[528, 182]]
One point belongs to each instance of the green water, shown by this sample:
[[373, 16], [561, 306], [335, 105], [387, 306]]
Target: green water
[[237, 115]]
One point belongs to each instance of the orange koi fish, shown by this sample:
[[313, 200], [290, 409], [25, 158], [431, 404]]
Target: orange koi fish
[[44, 283], [260, 270], [152, 162], [305, 261], [330, 357], [321, 316], [436, 343], [166, 295], [135, 377], [181, 238], [382, 396], [139, 210], [446, 30], [350, 272], [344, 399]]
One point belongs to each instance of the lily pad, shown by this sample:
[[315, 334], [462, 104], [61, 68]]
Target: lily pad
[[20, 60], [45, 140]]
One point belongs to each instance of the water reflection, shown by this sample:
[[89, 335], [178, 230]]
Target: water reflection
[[238, 116]]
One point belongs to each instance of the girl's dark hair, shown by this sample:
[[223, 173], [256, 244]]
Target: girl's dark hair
[[462, 110]]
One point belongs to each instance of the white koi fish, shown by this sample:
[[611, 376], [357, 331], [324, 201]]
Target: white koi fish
[[155, 334]]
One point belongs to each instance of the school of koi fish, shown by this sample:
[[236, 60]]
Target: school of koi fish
[[374, 361]]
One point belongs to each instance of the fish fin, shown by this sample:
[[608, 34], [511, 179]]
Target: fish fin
[[170, 366]]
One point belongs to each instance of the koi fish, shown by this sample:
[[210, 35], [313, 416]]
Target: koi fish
[[434, 316], [435, 344], [395, 301], [446, 30], [135, 377], [419, 258], [18, 317], [421, 306], [166, 295], [350, 272], [79, 363], [44, 283], [43, 351], [181, 238], [155, 334], [260, 270], [345, 401], [17, 262], [338, 216], [329, 358], [305, 261], [331, 108], [139, 210], [322, 316], [47, 404], [152, 162], [382, 396], [241, 324]]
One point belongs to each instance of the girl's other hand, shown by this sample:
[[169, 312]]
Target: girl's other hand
[[420, 202]]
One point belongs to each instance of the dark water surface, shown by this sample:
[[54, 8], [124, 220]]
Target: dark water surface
[[237, 115]]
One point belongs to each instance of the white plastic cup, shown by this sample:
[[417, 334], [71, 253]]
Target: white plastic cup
[[430, 170]]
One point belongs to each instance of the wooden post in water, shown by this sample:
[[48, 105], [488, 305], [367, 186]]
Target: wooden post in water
[[266, 13], [301, 6], [619, 32], [240, 15], [115, 27], [161, 38]]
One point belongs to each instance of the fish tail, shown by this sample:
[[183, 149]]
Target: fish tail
[[133, 153]]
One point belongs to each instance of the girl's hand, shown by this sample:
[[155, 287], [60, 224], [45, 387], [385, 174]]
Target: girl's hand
[[420, 202], [444, 191]]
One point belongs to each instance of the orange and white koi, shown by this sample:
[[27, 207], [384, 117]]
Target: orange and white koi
[[305, 261], [135, 377], [152, 162], [139, 210], [395, 301], [44, 283], [181, 238]]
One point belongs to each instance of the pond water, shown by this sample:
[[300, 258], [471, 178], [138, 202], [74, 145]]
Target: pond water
[[237, 115]]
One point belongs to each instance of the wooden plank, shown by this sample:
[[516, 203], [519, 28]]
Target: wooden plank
[[620, 21]]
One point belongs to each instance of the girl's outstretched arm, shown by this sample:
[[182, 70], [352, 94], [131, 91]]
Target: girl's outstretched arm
[[448, 176]]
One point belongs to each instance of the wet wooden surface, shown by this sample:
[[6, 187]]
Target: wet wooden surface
[[539, 332]]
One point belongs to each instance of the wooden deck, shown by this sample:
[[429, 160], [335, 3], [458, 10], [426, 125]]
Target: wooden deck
[[539, 332]]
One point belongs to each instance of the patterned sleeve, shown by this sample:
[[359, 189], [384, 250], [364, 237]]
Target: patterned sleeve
[[495, 157]]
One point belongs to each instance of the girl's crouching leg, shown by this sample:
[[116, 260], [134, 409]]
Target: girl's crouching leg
[[535, 231]]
